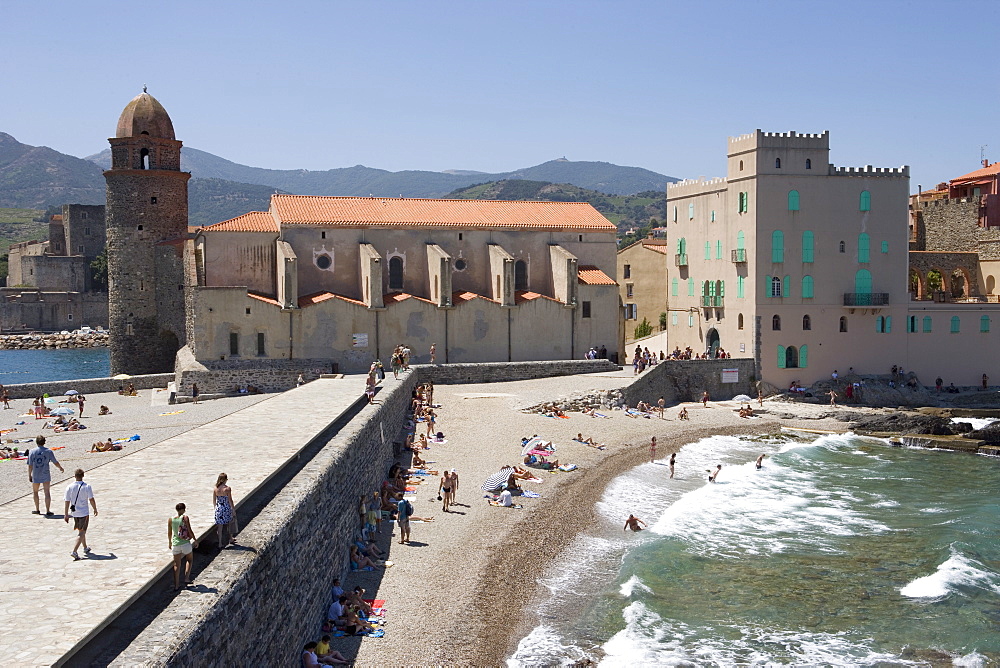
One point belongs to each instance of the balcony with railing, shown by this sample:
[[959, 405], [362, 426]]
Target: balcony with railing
[[739, 255], [711, 301], [681, 260], [866, 298]]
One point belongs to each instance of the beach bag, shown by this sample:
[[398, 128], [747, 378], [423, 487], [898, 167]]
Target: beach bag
[[184, 530]]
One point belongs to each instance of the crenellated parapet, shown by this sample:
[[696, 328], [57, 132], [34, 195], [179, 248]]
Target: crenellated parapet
[[868, 171], [760, 139], [699, 186]]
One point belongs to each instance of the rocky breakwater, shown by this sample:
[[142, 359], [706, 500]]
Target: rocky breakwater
[[580, 401], [53, 341]]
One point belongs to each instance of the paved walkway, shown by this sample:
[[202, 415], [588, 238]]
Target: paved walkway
[[52, 603]]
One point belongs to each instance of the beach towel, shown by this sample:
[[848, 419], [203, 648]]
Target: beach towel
[[530, 495], [533, 479], [172, 413], [441, 442], [566, 468], [496, 504], [379, 633]]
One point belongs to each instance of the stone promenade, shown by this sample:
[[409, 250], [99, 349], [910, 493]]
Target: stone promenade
[[52, 604]]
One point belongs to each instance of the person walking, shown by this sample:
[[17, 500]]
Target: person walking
[[79, 403], [78, 495], [300, 381], [673, 458], [444, 490], [181, 540], [194, 392], [986, 381], [403, 511], [704, 398], [652, 449], [38, 406], [433, 352], [39, 475], [225, 510], [661, 404], [833, 397]]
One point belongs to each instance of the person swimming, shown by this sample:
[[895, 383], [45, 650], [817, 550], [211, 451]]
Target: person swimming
[[760, 462], [633, 523], [712, 476]]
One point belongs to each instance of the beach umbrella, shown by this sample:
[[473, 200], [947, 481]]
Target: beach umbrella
[[70, 393], [536, 444], [742, 397], [498, 479], [121, 376], [61, 411]]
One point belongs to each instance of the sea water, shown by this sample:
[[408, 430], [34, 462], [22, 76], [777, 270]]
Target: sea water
[[38, 366], [840, 551]]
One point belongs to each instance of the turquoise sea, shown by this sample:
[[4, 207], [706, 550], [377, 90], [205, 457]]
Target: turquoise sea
[[36, 366], [840, 551]]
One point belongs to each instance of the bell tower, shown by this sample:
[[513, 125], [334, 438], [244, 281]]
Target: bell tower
[[147, 218]]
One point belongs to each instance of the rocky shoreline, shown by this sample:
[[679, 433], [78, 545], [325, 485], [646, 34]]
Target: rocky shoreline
[[53, 341]]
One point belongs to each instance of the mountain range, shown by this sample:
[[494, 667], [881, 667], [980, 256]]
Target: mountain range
[[37, 177]]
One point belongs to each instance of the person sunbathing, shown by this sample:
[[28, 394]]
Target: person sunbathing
[[359, 561], [104, 446], [353, 623], [540, 462], [7, 453], [418, 461], [356, 598], [423, 442], [72, 425], [104, 411]]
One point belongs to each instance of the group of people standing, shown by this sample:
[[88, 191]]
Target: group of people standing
[[181, 536]]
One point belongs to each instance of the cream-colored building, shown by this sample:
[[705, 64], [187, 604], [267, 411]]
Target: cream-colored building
[[642, 279], [346, 279]]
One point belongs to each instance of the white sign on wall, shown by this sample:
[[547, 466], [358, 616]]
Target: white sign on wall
[[360, 340], [730, 375]]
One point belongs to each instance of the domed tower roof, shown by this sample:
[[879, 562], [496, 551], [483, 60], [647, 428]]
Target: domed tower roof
[[144, 115]]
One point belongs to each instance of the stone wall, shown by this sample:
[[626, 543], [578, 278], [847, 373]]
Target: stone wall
[[268, 598], [221, 376], [87, 385], [32, 309], [685, 380], [497, 372], [950, 225], [53, 341]]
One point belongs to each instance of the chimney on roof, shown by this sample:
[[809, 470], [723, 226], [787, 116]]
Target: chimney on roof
[[986, 163]]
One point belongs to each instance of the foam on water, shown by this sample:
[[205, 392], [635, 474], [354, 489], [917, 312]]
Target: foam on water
[[544, 647], [957, 572], [648, 639], [977, 423], [633, 584]]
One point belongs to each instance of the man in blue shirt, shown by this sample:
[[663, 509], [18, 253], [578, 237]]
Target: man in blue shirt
[[403, 509], [38, 473]]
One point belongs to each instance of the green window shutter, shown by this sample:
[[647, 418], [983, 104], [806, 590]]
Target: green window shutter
[[718, 250], [911, 324], [722, 288], [690, 320], [808, 240], [793, 200], [984, 324], [879, 324], [673, 318], [767, 286], [708, 250], [691, 211], [740, 240], [673, 288], [746, 202], [777, 246], [865, 201], [803, 357], [781, 357], [739, 287], [927, 324], [713, 215], [885, 246], [956, 323], [786, 286], [679, 251], [863, 282], [807, 287], [711, 288], [690, 287], [684, 246], [864, 241], [888, 324]]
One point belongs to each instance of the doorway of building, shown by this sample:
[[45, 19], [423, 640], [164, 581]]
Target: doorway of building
[[713, 341]]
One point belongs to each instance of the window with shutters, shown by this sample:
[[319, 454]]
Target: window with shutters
[[879, 324], [956, 324], [806, 323], [843, 323], [713, 215], [673, 287], [911, 324], [781, 357], [984, 324], [808, 241], [793, 200], [776, 323], [708, 250], [690, 287], [718, 250], [673, 318], [777, 246], [740, 294], [863, 282], [786, 287], [864, 241], [803, 357], [888, 324], [865, 201], [691, 211], [807, 287], [777, 163], [791, 358], [927, 324], [885, 246], [690, 320], [775, 286]]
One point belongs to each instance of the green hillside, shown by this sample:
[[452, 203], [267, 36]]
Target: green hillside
[[625, 211], [215, 200]]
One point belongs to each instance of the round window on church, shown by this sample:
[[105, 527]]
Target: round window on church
[[460, 265], [323, 261]]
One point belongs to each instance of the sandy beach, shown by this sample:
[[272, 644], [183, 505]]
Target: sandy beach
[[466, 589]]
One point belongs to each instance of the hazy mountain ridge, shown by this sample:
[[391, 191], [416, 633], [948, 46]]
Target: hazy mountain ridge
[[37, 176]]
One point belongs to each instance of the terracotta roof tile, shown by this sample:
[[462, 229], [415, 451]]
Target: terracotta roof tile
[[522, 296], [660, 246], [255, 221], [409, 212], [262, 298], [992, 170], [317, 297], [396, 297], [461, 297], [591, 275]]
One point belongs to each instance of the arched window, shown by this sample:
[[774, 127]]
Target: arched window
[[775, 286], [791, 358], [720, 291], [864, 245], [520, 275], [888, 324], [144, 159], [843, 323], [956, 324], [739, 321], [777, 246], [673, 287], [885, 246], [777, 163], [807, 287], [803, 357], [879, 324], [396, 273], [744, 202], [675, 214], [843, 247], [793, 200], [927, 324], [808, 243], [984, 324], [911, 324], [691, 211], [863, 282], [741, 165], [806, 323], [776, 323], [865, 201], [809, 163]]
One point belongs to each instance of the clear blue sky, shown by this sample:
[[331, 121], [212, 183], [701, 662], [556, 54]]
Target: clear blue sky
[[494, 86]]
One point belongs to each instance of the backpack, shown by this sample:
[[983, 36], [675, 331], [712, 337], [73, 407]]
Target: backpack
[[409, 508]]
